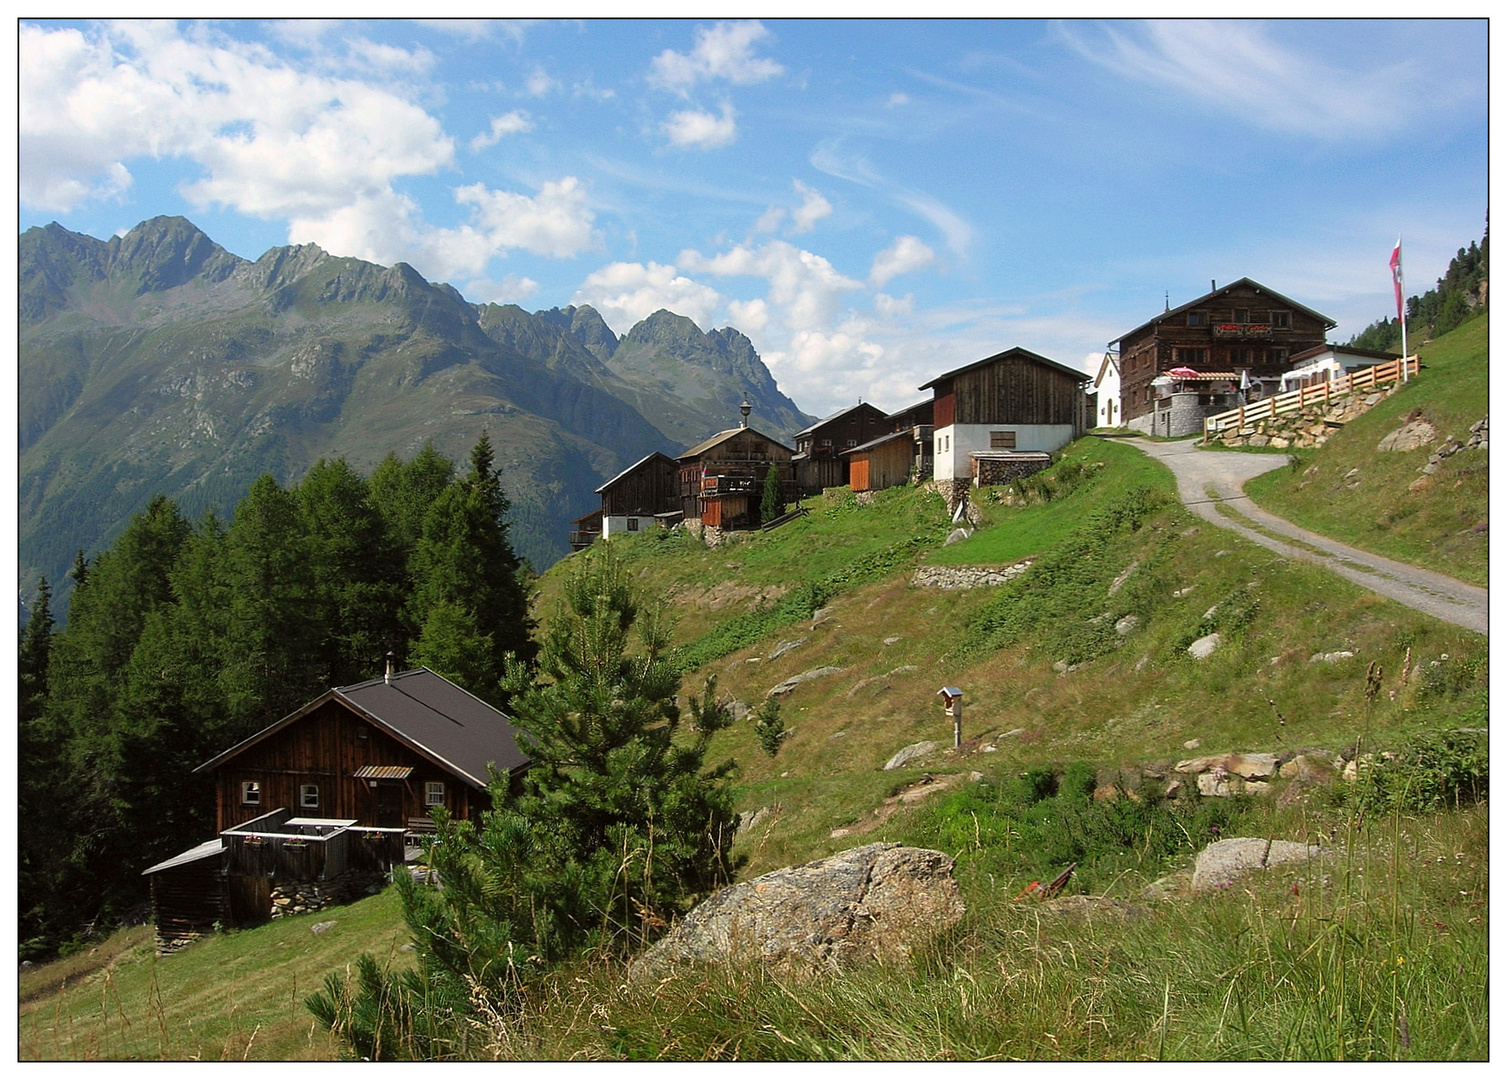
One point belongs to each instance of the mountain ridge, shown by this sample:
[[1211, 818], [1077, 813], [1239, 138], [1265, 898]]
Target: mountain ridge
[[159, 361]]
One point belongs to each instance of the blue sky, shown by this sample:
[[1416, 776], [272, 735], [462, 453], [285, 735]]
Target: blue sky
[[872, 202]]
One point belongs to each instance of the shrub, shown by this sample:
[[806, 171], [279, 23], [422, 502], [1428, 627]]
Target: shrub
[[1433, 771]]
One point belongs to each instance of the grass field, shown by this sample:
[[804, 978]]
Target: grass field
[[1350, 492]]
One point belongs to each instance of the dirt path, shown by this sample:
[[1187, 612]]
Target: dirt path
[[1211, 480]]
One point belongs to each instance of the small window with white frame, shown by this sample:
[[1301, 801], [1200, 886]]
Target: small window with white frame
[[308, 796], [251, 793], [434, 793]]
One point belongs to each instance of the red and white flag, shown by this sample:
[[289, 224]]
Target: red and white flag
[[1396, 264]]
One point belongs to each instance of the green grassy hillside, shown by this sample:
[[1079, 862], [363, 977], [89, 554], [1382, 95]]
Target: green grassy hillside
[[1064, 693], [1382, 502]]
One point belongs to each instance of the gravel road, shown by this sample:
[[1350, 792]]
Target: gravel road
[[1209, 479]]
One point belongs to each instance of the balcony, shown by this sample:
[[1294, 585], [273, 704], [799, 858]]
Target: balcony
[[732, 482], [1242, 330]]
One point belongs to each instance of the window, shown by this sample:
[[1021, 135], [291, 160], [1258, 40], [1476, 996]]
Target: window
[[826, 442], [852, 443], [1188, 356], [1278, 356], [633, 524], [946, 442], [1197, 318], [308, 796], [1281, 320], [434, 793], [1240, 356], [1001, 440], [1242, 315], [251, 793]]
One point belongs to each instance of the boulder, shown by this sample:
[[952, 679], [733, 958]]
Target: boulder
[[1223, 861], [785, 646], [805, 676], [911, 753], [1204, 647], [1127, 625], [1248, 766], [1411, 436], [877, 902]]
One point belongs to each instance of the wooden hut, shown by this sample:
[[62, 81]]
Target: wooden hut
[[635, 497], [818, 461]]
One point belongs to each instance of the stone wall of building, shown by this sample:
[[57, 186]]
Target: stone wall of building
[[300, 897], [995, 471]]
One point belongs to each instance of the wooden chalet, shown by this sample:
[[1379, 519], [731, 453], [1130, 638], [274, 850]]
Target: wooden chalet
[[645, 491], [1244, 328], [1016, 400], [722, 479], [818, 461], [380, 753], [329, 795], [901, 455]]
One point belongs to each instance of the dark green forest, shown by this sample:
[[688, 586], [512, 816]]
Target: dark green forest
[[184, 637], [1457, 297]]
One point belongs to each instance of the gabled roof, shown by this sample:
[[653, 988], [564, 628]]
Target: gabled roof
[[1111, 362], [426, 712], [1206, 297], [923, 403], [649, 457], [1017, 351], [838, 415], [722, 436]]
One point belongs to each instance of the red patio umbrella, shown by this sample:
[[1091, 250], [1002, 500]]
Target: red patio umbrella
[[1184, 373]]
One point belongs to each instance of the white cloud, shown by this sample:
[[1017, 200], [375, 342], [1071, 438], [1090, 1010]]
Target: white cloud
[[557, 222], [898, 98], [372, 54], [812, 209], [889, 307], [516, 122], [1237, 67], [692, 127], [769, 220], [723, 52], [627, 293], [540, 83], [958, 233], [804, 288], [510, 290], [905, 255], [750, 316]]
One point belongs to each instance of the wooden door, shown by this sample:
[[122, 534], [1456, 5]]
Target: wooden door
[[390, 806]]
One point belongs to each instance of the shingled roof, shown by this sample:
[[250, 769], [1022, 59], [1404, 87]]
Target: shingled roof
[[437, 719]]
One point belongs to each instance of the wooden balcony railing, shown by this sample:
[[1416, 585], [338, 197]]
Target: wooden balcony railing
[[1352, 382]]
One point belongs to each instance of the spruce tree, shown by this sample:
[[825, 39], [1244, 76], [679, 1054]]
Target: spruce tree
[[36, 647], [773, 503]]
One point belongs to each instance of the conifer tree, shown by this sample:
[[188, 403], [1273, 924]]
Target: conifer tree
[[773, 503], [36, 647]]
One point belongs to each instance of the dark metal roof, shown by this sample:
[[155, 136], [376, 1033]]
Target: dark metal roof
[[1017, 351], [1206, 297], [630, 468], [427, 712]]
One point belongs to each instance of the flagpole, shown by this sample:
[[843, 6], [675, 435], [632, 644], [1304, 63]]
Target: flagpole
[[1403, 317]]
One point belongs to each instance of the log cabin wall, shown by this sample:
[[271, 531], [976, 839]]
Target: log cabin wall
[[884, 466], [325, 748]]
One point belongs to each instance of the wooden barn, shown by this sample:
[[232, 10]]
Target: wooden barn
[[722, 479], [633, 498], [1012, 401], [380, 753], [818, 461], [1244, 328], [585, 530]]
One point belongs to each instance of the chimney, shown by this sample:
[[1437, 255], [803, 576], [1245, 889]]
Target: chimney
[[388, 677], [745, 409], [1212, 286]]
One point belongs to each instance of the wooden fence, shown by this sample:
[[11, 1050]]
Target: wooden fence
[[1352, 382]]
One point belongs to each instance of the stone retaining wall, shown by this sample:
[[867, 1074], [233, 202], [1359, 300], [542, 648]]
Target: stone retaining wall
[[965, 577], [1304, 430], [300, 897]]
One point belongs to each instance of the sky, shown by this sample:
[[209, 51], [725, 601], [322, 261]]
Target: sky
[[871, 202]]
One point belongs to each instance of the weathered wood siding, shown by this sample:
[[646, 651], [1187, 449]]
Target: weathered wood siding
[[886, 465], [326, 748], [1015, 390], [189, 900], [650, 488], [814, 474]]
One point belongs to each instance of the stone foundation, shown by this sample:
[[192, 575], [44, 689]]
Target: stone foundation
[[301, 897]]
